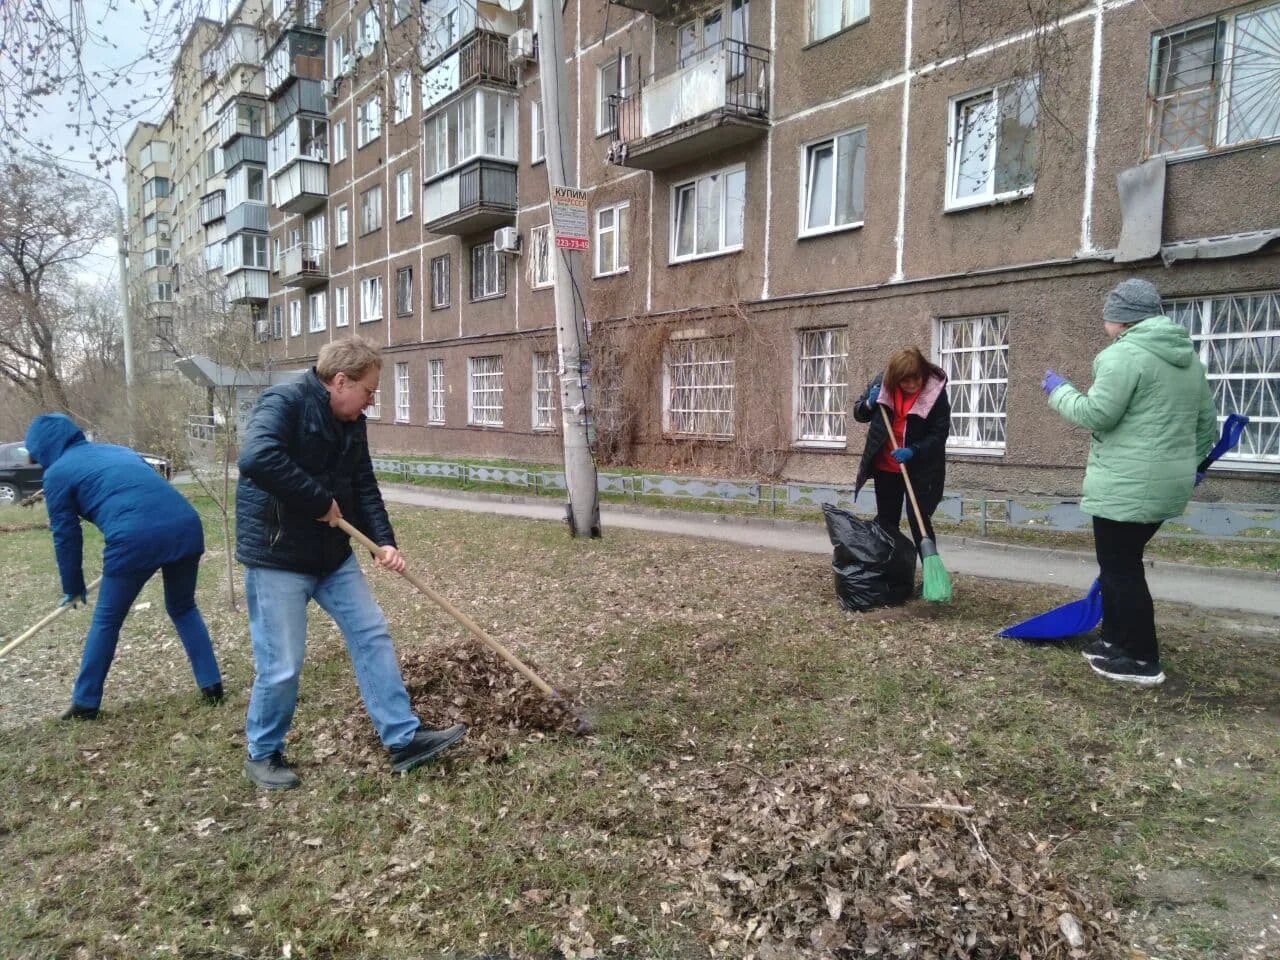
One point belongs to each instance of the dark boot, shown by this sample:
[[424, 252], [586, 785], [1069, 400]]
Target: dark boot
[[77, 712], [271, 773], [212, 693], [425, 745]]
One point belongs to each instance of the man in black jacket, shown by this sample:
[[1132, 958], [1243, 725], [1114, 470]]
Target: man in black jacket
[[304, 463]]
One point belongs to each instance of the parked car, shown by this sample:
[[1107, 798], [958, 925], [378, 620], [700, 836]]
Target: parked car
[[19, 477]]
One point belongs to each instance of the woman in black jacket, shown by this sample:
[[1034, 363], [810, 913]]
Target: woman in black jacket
[[914, 393]]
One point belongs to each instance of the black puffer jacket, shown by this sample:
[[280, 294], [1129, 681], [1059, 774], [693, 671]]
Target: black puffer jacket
[[296, 457], [928, 426]]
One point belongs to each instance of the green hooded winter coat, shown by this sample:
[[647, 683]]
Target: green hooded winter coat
[[1153, 420]]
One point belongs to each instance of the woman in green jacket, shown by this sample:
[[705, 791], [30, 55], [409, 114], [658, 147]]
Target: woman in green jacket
[[1152, 416]]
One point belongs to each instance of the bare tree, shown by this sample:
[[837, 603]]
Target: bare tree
[[49, 223]]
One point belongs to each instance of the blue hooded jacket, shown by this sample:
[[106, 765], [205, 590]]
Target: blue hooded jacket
[[145, 522]]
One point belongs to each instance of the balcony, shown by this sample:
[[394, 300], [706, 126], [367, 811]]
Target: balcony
[[245, 150], [297, 55], [474, 198], [297, 14], [303, 266], [241, 44], [481, 58], [718, 101], [247, 286], [305, 96], [213, 207], [301, 187], [249, 216], [241, 118]]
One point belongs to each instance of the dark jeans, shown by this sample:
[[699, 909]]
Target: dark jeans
[[115, 596], [1128, 617], [891, 493]]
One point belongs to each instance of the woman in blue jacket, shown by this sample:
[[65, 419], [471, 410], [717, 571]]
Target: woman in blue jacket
[[147, 526]]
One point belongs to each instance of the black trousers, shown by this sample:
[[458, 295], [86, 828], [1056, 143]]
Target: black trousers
[[891, 492], [1128, 616]]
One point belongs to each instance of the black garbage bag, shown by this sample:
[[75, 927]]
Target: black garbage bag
[[872, 567]]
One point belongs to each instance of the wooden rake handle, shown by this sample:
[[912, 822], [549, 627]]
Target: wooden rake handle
[[476, 630], [44, 622], [906, 477]]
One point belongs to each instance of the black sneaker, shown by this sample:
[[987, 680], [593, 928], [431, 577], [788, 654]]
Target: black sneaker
[[212, 693], [1144, 673], [1100, 649], [425, 745], [77, 712], [271, 773]]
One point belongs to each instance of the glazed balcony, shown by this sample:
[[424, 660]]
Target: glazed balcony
[[718, 100], [297, 14], [247, 286], [213, 207], [301, 187], [303, 266], [297, 55], [476, 197]]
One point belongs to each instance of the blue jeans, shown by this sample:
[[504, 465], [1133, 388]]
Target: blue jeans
[[278, 626], [115, 596]]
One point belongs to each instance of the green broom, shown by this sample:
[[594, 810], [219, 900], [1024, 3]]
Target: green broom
[[937, 582]]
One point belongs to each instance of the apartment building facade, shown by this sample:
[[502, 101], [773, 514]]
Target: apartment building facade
[[781, 193]]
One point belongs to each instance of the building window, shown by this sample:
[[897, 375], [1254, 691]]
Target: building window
[[484, 391], [538, 138], [374, 410], [155, 188], [834, 173], [822, 383], [974, 353], [540, 261], [440, 282], [403, 98], [1213, 85], [295, 317], [993, 142], [370, 299], [402, 393], [1238, 338], [698, 388], [544, 390], [371, 210], [707, 214], [612, 255], [368, 31], [404, 291], [339, 47], [399, 11], [827, 17], [404, 194], [277, 322], [488, 272], [341, 316], [611, 85], [315, 313], [339, 140], [341, 226], [435, 391], [368, 122]]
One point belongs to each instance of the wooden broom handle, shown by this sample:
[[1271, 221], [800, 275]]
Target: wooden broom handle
[[44, 622], [906, 477], [515, 662]]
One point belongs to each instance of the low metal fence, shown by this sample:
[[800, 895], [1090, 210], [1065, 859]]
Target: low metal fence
[[1238, 521]]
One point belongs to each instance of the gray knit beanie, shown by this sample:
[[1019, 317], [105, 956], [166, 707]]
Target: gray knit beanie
[[1132, 300]]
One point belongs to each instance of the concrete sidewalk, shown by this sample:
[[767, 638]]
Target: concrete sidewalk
[[1212, 588]]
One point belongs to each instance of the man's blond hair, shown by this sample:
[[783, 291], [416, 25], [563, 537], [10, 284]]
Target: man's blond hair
[[350, 355]]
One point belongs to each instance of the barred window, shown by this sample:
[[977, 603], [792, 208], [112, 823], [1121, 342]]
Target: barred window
[[1238, 338], [699, 388], [544, 390], [974, 352], [488, 272], [823, 383], [484, 393], [435, 391]]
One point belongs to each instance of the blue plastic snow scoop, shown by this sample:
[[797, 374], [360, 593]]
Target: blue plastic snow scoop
[[1081, 616]]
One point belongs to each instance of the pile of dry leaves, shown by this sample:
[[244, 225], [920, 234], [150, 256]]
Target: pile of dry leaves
[[831, 860]]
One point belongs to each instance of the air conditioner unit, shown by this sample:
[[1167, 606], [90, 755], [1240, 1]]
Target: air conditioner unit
[[163, 234], [365, 48], [348, 65], [330, 87], [506, 240], [520, 46]]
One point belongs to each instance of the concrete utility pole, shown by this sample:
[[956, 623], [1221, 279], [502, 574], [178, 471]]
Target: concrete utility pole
[[122, 268], [579, 467]]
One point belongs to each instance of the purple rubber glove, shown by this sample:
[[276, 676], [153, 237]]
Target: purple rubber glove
[[1051, 382], [1199, 478], [902, 454]]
